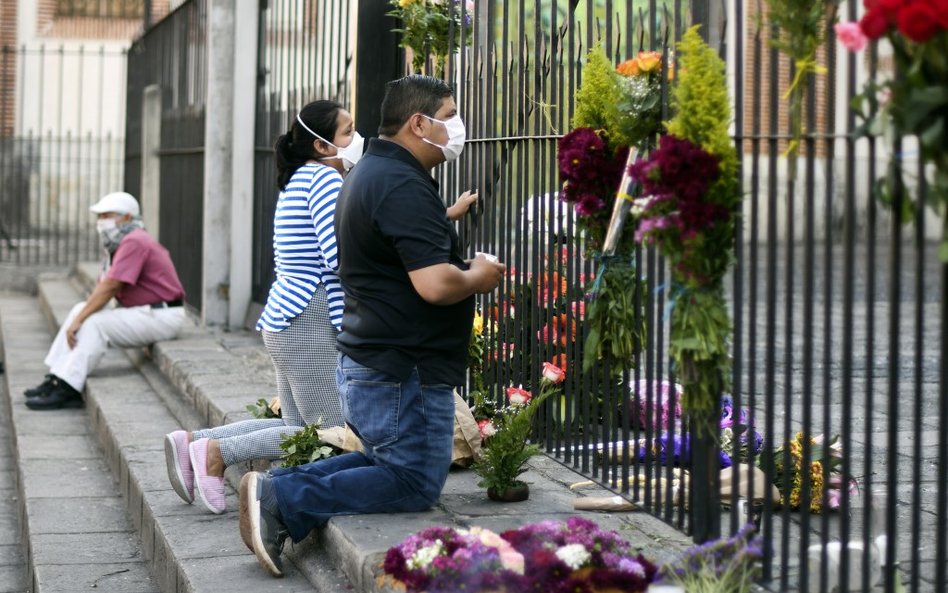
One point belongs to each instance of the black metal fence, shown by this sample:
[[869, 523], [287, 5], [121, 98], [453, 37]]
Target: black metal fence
[[305, 55], [61, 144], [173, 55], [838, 309]]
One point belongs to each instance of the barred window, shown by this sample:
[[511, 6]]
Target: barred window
[[123, 9]]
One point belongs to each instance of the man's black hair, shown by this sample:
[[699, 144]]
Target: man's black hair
[[410, 95]]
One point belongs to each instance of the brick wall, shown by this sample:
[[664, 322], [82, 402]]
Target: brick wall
[[49, 25], [7, 66]]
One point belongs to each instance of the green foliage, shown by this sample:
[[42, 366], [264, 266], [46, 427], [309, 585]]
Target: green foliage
[[506, 451], [799, 29], [427, 28], [700, 100], [261, 409], [597, 99], [616, 325], [305, 446], [916, 105]]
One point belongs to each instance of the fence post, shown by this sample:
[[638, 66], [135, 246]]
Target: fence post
[[704, 489], [218, 160], [242, 167], [150, 191], [378, 60]]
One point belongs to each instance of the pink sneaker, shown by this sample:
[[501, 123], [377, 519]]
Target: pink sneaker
[[178, 461], [210, 489]]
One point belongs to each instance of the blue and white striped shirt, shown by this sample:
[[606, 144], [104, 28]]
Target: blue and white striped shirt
[[304, 247]]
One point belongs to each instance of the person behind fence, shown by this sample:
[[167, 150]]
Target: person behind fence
[[302, 314], [409, 309], [139, 275]]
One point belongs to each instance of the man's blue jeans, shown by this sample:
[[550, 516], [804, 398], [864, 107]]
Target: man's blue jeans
[[407, 429]]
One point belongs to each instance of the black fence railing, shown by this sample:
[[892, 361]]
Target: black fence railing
[[173, 55], [305, 54], [61, 144], [838, 309]]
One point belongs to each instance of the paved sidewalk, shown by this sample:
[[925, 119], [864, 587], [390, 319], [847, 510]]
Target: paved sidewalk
[[12, 569]]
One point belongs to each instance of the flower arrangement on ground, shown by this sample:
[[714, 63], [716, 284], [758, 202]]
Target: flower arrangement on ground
[[506, 443], [737, 444], [433, 27], [446, 560], [825, 459], [727, 564], [692, 197], [547, 557], [915, 98]]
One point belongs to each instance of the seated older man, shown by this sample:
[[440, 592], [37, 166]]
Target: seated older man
[[140, 276]]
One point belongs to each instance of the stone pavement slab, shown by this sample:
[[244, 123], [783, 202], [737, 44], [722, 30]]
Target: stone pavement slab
[[58, 558]]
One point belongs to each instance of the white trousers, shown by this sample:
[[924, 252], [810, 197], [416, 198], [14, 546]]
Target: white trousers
[[129, 327]]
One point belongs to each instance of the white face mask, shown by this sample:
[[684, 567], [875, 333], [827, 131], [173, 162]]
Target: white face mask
[[456, 137], [349, 155], [104, 225], [109, 232]]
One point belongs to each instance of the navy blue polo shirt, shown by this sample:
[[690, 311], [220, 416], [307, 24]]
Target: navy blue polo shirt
[[390, 220]]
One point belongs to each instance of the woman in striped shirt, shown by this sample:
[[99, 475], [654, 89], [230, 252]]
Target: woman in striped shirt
[[303, 312]]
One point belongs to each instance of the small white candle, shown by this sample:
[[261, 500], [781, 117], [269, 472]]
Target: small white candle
[[664, 588]]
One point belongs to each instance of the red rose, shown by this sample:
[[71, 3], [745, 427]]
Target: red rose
[[891, 8], [918, 22], [941, 9], [874, 24]]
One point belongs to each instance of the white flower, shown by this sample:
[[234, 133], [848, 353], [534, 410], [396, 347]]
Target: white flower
[[423, 556], [573, 555]]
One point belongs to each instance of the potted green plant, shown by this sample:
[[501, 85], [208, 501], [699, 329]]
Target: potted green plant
[[506, 439]]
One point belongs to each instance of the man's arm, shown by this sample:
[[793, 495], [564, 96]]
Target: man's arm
[[100, 297], [446, 284]]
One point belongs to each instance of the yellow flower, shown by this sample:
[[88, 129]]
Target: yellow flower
[[405, 3], [649, 61], [478, 323]]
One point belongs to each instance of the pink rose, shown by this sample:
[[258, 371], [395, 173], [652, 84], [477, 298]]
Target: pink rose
[[518, 396], [851, 36], [486, 428], [553, 373]]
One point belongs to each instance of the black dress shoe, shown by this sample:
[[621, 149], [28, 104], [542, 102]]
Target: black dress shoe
[[60, 396], [43, 388]]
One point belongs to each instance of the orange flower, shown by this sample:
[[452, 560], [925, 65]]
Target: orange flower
[[649, 61], [560, 360], [645, 62], [628, 68]]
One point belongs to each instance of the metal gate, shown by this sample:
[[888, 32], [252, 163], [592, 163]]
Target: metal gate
[[305, 55], [62, 117]]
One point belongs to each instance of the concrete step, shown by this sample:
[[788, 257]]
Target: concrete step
[[75, 531], [131, 407], [215, 374]]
